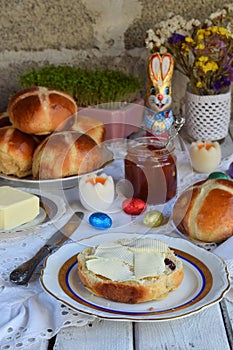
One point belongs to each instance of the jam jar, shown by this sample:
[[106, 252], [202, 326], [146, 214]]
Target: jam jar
[[150, 166]]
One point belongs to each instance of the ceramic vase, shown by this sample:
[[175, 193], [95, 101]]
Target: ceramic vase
[[208, 116]]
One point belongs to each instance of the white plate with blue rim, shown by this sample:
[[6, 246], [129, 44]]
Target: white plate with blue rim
[[205, 282]]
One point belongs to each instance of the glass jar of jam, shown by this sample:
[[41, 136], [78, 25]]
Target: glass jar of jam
[[150, 166]]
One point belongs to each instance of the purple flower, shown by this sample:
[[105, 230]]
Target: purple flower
[[221, 83], [176, 39], [229, 71]]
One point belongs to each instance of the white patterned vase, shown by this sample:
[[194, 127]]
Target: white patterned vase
[[208, 116]]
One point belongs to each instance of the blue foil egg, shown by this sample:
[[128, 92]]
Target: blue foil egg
[[230, 171], [100, 220]]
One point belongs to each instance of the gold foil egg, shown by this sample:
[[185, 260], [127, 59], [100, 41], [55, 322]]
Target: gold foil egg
[[153, 218]]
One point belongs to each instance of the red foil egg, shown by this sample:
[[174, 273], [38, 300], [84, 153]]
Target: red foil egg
[[133, 206]]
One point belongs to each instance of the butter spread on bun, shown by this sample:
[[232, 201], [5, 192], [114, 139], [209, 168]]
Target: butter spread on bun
[[130, 270]]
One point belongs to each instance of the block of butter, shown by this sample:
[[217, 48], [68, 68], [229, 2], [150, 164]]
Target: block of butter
[[17, 207]]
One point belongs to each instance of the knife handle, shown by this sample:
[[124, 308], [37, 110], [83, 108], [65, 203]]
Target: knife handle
[[22, 274]]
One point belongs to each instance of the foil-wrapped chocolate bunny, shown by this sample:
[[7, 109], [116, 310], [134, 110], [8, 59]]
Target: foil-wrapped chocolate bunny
[[158, 117]]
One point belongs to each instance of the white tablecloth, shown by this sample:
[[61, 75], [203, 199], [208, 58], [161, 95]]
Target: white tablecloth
[[28, 312]]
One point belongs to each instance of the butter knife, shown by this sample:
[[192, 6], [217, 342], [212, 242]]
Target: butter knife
[[22, 274]]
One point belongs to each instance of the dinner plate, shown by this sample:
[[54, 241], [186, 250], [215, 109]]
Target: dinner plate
[[52, 208], [205, 282]]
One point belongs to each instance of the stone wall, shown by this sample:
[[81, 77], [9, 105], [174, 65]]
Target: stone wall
[[86, 33]]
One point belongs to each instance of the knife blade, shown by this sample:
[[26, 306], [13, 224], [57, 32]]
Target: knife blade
[[22, 274]]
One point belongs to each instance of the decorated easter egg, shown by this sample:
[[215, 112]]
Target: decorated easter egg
[[96, 192], [230, 171], [100, 220], [218, 175], [153, 218], [133, 206]]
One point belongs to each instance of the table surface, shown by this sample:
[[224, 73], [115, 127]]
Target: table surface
[[211, 328]]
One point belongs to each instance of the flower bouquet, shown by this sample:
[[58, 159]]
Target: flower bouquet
[[203, 52]]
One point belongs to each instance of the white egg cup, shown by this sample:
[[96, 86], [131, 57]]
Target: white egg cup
[[96, 192]]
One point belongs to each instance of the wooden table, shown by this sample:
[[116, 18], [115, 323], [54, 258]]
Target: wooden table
[[210, 329]]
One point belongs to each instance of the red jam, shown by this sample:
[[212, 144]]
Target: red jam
[[151, 169]]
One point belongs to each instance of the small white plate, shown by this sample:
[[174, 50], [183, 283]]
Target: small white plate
[[205, 282], [52, 208]]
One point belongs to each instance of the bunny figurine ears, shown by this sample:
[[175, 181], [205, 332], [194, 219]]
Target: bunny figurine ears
[[158, 114], [160, 70]]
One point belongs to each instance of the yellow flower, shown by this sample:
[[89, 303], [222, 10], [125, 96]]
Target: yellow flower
[[214, 29], [203, 59], [214, 66], [210, 67], [199, 84], [201, 32], [223, 31], [189, 40], [199, 64], [207, 32], [200, 35], [185, 49], [205, 65], [200, 46]]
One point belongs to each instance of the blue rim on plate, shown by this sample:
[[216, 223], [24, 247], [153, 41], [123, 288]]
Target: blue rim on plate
[[202, 273], [205, 283]]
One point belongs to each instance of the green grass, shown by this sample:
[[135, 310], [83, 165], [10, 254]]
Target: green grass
[[88, 87]]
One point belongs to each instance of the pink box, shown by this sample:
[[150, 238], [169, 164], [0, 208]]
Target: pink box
[[119, 123]]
